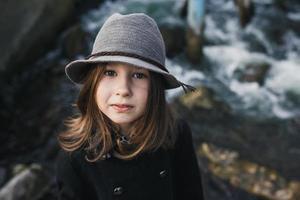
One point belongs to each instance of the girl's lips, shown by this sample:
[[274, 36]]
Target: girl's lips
[[122, 107]]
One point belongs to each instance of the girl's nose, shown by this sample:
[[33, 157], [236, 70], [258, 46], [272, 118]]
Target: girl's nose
[[123, 87]]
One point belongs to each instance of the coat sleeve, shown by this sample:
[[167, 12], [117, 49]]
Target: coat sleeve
[[187, 178], [68, 182]]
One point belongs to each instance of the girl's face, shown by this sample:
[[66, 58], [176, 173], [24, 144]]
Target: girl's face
[[122, 93]]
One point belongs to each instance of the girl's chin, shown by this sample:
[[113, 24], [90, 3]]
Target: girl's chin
[[123, 123], [123, 120]]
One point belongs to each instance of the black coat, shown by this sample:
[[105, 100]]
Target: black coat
[[162, 175]]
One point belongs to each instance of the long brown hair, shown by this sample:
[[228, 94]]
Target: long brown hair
[[96, 133]]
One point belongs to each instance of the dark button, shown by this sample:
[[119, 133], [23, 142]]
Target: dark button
[[118, 191], [163, 173]]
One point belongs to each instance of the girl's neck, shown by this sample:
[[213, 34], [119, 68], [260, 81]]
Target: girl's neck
[[124, 129], [124, 132]]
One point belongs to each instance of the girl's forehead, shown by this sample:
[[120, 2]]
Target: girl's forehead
[[124, 65]]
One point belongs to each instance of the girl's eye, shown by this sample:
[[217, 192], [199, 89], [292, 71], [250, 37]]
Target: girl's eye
[[139, 75], [110, 73]]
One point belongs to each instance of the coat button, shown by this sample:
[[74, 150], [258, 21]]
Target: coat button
[[106, 156], [163, 173], [118, 191]]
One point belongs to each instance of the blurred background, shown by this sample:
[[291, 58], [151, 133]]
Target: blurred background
[[242, 55]]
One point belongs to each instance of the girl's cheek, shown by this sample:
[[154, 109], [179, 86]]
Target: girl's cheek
[[106, 84], [143, 84], [104, 80]]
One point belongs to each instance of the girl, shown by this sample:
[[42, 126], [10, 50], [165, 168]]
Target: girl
[[125, 142]]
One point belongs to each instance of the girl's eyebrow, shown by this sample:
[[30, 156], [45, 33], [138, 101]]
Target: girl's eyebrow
[[133, 68], [140, 68]]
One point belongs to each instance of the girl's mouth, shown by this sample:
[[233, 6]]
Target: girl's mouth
[[122, 107]]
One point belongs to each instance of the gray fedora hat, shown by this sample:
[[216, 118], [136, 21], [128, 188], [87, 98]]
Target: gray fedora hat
[[133, 39]]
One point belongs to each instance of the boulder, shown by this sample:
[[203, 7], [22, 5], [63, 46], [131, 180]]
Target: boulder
[[253, 72], [28, 27], [203, 98], [3, 175], [254, 44], [74, 42], [174, 37], [194, 45], [246, 11], [276, 141], [248, 176], [29, 184]]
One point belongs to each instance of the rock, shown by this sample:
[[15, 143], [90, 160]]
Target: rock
[[182, 6], [38, 108], [27, 185], [286, 5], [33, 100], [195, 30], [74, 42], [202, 98], [251, 177], [248, 136], [18, 169], [28, 27], [82, 6], [174, 37], [293, 97], [254, 44], [218, 189], [194, 45], [253, 72], [280, 4], [246, 11], [3, 175]]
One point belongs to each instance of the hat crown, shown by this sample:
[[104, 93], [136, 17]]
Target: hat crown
[[133, 33]]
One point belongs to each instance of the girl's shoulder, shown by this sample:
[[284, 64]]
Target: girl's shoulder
[[65, 158], [181, 124], [182, 127], [183, 133]]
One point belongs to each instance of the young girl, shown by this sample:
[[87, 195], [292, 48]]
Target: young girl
[[125, 143]]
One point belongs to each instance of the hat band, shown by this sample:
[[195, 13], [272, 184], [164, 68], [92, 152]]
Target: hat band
[[119, 53]]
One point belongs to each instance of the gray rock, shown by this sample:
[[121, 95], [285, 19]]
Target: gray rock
[[174, 37], [203, 98], [246, 11], [253, 72], [275, 141], [3, 175], [194, 44], [74, 42], [26, 185], [28, 26]]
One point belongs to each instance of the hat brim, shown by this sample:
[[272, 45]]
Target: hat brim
[[77, 69]]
